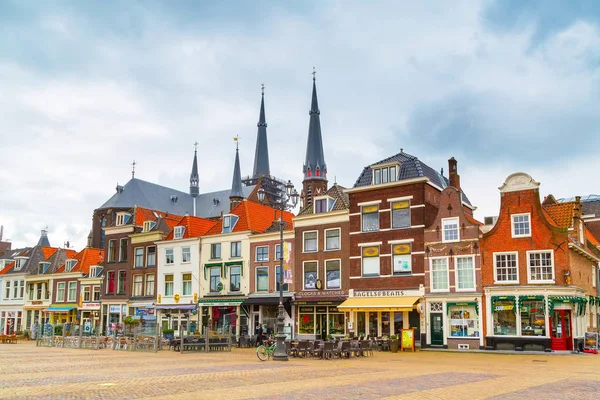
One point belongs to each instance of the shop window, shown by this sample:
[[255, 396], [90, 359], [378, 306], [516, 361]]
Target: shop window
[[169, 256], [262, 253], [401, 259], [187, 285], [370, 218], [112, 250], [262, 279], [169, 285], [310, 241], [306, 323], [310, 275], [277, 277], [138, 285], [333, 274], [236, 249], [439, 274], [186, 254], [504, 317], [215, 251], [235, 274], [360, 323], [110, 287], [533, 318], [398, 322], [463, 321], [521, 226], [370, 261], [139, 257], [149, 285], [450, 230], [373, 323], [151, 256], [336, 322], [60, 292], [541, 267], [465, 273], [401, 214], [122, 282], [506, 267], [123, 250], [215, 279], [385, 324]]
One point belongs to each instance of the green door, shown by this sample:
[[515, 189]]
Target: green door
[[437, 329]]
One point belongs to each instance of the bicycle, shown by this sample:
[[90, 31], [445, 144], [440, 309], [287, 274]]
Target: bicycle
[[266, 350]]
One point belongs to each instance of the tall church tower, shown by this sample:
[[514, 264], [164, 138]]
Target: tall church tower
[[236, 196], [315, 168], [261, 156], [195, 178]]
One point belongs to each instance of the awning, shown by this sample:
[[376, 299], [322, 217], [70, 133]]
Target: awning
[[218, 302], [379, 303], [59, 309], [175, 307]]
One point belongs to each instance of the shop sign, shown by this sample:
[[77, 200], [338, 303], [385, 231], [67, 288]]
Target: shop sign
[[378, 293], [333, 309], [321, 293], [93, 306], [320, 303], [504, 308], [87, 327], [321, 310], [114, 309], [307, 309], [37, 302]]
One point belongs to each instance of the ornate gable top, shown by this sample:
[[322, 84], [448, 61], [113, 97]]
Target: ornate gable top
[[517, 182]]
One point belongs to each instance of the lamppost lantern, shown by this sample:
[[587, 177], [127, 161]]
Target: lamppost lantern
[[288, 201]]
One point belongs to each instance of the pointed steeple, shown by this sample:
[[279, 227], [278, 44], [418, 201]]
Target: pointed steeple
[[261, 156], [315, 168], [44, 238], [314, 165], [194, 177], [236, 195]]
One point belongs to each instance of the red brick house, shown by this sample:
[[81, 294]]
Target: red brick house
[[453, 287], [535, 282]]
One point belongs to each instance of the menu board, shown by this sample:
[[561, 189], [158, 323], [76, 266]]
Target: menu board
[[591, 340], [408, 339]]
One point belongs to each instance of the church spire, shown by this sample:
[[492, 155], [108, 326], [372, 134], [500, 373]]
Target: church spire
[[261, 156], [236, 195], [315, 168], [194, 177]]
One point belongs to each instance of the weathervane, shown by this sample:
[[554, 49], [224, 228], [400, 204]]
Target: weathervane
[[262, 88], [133, 164], [236, 139], [196, 145], [314, 73]]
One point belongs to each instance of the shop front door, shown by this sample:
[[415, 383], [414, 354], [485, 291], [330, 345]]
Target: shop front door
[[437, 329], [562, 337]]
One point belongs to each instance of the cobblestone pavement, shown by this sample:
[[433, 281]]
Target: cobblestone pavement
[[28, 372]]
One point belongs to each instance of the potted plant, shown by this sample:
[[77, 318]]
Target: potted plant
[[168, 333], [394, 343]]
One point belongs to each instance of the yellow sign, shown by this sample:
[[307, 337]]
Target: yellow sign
[[370, 251], [195, 297], [400, 204], [408, 339], [176, 298], [402, 249], [159, 298], [370, 209]]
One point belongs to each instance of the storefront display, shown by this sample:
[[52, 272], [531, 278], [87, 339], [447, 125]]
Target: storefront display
[[224, 319], [463, 321], [504, 316], [321, 321], [533, 317]]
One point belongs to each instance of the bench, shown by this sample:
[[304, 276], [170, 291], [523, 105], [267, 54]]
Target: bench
[[192, 344]]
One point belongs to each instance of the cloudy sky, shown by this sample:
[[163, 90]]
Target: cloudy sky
[[87, 87]]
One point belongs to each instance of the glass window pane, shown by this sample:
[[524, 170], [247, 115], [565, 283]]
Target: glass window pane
[[310, 275], [332, 272]]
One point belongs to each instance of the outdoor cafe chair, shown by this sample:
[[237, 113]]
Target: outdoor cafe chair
[[302, 348], [328, 352]]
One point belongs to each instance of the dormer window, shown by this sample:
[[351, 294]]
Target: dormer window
[[69, 265], [43, 267], [4, 263], [229, 222], [385, 174], [123, 218], [149, 225], [178, 232], [20, 262], [324, 204], [95, 271]]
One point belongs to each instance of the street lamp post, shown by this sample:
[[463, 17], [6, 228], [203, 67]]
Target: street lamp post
[[288, 202]]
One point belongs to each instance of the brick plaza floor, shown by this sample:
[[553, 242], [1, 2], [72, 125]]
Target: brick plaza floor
[[28, 372]]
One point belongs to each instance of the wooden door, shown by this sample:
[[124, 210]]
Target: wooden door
[[437, 329], [561, 330]]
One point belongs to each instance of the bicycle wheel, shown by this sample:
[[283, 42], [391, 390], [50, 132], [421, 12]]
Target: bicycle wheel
[[262, 353]]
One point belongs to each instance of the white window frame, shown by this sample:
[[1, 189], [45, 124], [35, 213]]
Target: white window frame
[[450, 220], [69, 298], [362, 267], [178, 232], [264, 267], [496, 281], [141, 292], [304, 242], [339, 260], [172, 254], [183, 281], [135, 257], [121, 218], [58, 291], [409, 255], [214, 246], [172, 282], [112, 250], [431, 289], [256, 253], [147, 254], [304, 275], [456, 280], [148, 226], [189, 253], [339, 239], [237, 243], [231, 219], [146, 291], [512, 225], [531, 281], [362, 229], [121, 259]]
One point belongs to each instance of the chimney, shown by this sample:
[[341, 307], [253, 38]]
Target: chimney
[[453, 173], [577, 207]]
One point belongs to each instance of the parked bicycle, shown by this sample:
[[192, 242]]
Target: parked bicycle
[[266, 350]]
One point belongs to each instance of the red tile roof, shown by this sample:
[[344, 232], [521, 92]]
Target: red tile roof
[[7, 268], [561, 213], [85, 259], [143, 214], [253, 216], [48, 251], [473, 220], [194, 227], [591, 238]]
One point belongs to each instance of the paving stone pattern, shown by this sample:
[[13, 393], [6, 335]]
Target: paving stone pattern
[[29, 372]]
